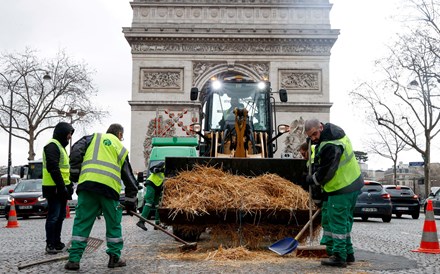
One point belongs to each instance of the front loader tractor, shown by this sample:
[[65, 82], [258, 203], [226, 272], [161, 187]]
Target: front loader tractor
[[238, 136]]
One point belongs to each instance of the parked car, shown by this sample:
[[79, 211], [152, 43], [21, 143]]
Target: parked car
[[28, 198], [434, 196], [4, 195], [404, 200], [373, 202]]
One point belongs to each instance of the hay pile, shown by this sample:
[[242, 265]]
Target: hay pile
[[207, 189]]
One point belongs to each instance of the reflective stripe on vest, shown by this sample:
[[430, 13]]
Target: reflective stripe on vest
[[348, 170], [63, 164], [103, 161], [311, 159], [156, 178]]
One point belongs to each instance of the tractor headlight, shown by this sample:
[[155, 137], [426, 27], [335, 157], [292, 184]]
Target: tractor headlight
[[261, 85], [216, 85]]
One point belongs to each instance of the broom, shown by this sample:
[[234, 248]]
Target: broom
[[311, 251]]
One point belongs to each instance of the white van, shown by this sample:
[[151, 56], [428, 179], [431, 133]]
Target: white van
[[4, 180]]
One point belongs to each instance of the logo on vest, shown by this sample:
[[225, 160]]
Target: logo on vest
[[107, 142]]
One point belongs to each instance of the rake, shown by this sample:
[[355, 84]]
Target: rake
[[92, 245]]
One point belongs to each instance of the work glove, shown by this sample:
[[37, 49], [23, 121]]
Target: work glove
[[129, 206], [70, 189], [63, 193]]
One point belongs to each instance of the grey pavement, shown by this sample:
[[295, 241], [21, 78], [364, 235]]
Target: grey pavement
[[380, 248]]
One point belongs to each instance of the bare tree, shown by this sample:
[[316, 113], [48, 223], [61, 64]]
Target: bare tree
[[41, 91], [388, 145], [407, 101]]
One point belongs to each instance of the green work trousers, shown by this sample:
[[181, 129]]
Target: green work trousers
[[89, 206], [152, 198], [340, 209], [326, 239]]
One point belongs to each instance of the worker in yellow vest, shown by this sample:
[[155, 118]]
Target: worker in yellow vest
[[57, 188], [153, 194], [337, 171], [99, 163]]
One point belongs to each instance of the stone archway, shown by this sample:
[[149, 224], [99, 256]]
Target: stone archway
[[203, 71], [183, 43]]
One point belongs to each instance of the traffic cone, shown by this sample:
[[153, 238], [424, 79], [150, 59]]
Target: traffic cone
[[12, 217], [67, 212], [429, 242]]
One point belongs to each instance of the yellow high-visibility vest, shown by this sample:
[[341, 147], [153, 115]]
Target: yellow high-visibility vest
[[348, 170], [156, 178], [63, 165], [103, 161]]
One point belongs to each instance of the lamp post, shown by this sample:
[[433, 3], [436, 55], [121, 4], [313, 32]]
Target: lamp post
[[11, 88], [8, 181], [70, 113]]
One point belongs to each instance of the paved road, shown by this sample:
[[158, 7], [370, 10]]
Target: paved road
[[381, 248]]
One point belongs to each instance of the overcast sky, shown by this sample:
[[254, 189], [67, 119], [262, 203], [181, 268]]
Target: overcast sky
[[91, 30]]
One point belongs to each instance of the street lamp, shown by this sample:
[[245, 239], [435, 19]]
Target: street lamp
[[11, 88], [70, 113]]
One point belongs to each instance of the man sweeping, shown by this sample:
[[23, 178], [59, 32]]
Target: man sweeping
[[99, 163], [337, 171]]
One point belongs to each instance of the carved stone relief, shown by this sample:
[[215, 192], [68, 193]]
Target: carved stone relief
[[305, 80], [261, 69], [224, 46], [250, 13], [201, 68], [163, 79]]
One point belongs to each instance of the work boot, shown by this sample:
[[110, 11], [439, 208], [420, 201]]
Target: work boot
[[334, 261], [71, 265], [142, 225], [114, 261], [50, 249], [350, 259], [60, 247]]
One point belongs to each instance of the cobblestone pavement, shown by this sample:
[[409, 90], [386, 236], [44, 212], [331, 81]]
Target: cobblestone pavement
[[380, 248]]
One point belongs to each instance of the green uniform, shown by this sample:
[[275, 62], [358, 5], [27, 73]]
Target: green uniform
[[341, 180], [153, 194], [101, 165]]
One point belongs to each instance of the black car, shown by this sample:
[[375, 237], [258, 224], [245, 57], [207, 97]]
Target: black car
[[373, 202], [28, 199], [404, 200], [434, 196]]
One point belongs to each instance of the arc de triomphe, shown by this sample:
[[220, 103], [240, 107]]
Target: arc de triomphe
[[180, 44]]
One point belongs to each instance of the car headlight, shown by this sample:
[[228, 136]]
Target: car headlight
[[41, 199]]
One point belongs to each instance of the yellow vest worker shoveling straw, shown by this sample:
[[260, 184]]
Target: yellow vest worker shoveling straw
[[337, 171]]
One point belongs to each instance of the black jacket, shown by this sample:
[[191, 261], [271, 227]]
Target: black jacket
[[52, 153], [76, 158], [327, 160]]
